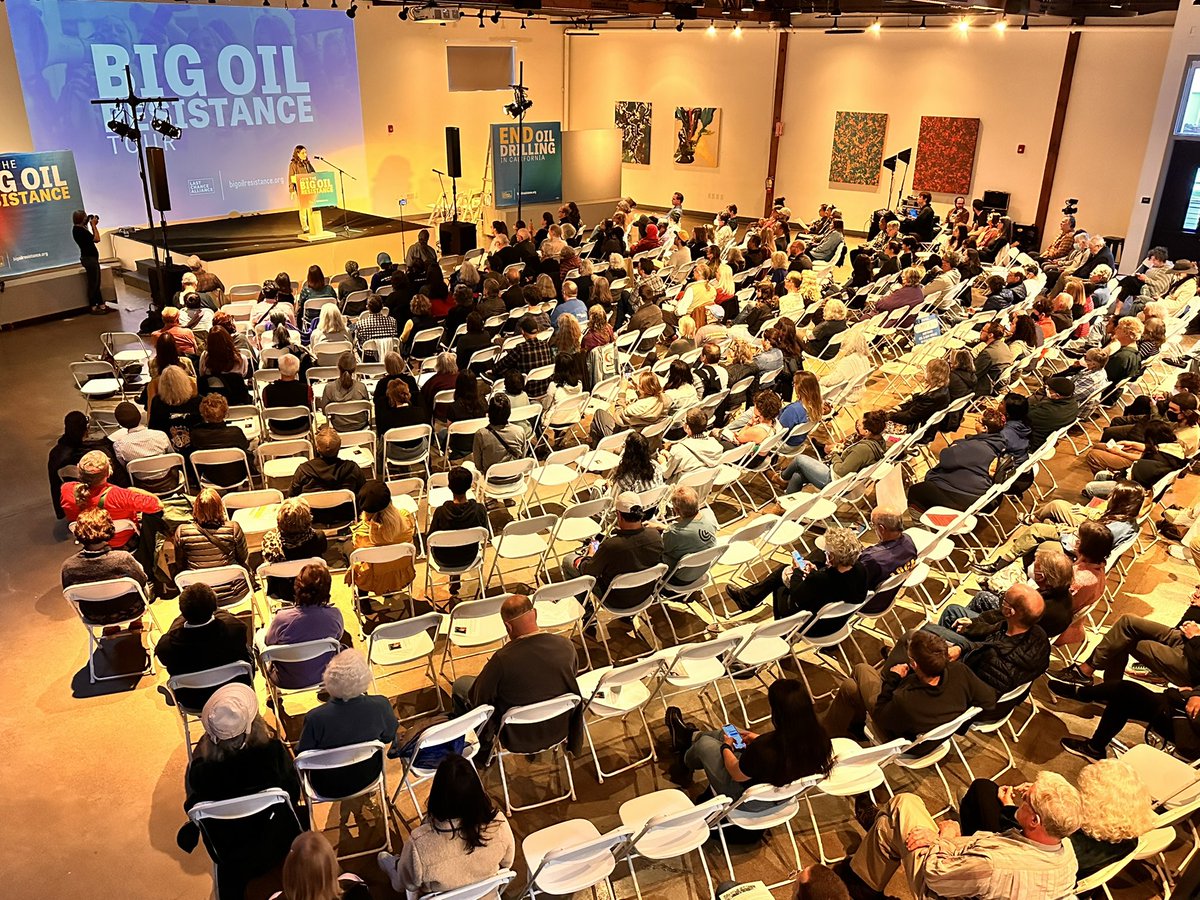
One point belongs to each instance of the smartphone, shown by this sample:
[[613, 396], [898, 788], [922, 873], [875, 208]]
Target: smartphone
[[797, 559], [593, 544], [738, 743]]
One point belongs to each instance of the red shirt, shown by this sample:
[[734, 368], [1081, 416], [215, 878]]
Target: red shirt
[[120, 503]]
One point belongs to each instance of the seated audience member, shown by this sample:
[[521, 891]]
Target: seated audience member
[[908, 295], [289, 390], [680, 389], [66, 453], [571, 306], [753, 425], [692, 530], [827, 249], [292, 538], [649, 407], [864, 447], [238, 755], [796, 747], [316, 286], [632, 547], [312, 618], [567, 382], [832, 324], [185, 341], [223, 370], [344, 389], [1093, 377], [806, 388], [459, 512], [1008, 654], [175, 408], [311, 871], [422, 319], [214, 433], [923, 405], [850, 366], [353, 282], [637, 470], [1117, 811], [331, 328], [464, 839], [350, 716], [1032, 860], [908, 699], [326, 471], [532, 353], [1123, 359], [963, 473], [892, 552], [380, 522], [211, 539], [804, 587], [469, 343], [134, 440], [98, 561], [1161, 455], [203, 637], [948, 276], [599, 332], [533, 666], [1056, 410], [1181, 418], [444, 378], [1171, 654], [398, 409], [993, 358], [698, 450], [501, 440], [1172, 715], [93, 491]]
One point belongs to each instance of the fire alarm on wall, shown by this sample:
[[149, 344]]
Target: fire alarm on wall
[[390, 129], [1020, 148]]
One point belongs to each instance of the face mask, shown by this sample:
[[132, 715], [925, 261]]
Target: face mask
[[1172, 416]]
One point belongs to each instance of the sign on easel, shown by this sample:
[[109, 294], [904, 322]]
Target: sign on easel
[[540, 145]]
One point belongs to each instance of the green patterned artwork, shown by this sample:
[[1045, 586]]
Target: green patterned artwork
[[857, 147], [633, 117]]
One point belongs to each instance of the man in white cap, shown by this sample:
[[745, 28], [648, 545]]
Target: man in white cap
[[206, 281], [631, 548]]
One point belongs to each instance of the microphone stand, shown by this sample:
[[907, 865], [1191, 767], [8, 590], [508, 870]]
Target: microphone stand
[[442, 199], [342, 173]]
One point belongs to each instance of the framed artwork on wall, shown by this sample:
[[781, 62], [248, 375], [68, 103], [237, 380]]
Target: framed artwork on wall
[[697, 140], [857, 147], [633, 117], [945, 155]]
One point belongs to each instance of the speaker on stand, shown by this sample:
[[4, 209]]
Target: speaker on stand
[[166, 280], [455, 237]]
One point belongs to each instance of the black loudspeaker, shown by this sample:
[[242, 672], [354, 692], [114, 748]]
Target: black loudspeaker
[[160, 191], [453, 153], [457, 238]]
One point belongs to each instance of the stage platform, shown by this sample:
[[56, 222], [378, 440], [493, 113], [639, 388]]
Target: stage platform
[[247, 249]]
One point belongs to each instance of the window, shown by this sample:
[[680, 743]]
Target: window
[[1188, 122], [480, 68], [1191, 216]]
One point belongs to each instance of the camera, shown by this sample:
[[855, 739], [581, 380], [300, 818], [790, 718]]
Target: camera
[[1071, 207]]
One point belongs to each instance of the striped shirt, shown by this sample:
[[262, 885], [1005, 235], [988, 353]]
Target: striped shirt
[[1004, 866]]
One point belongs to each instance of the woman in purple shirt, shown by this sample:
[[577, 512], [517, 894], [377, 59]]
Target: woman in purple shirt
[[311, 618]]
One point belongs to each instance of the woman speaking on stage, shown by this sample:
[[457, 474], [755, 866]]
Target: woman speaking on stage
[[300, 165]]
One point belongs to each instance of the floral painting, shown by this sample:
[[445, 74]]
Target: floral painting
[[633, 118], [696, 141], [857, 147], [945, 155]]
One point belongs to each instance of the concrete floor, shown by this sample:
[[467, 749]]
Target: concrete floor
[[91, 789]]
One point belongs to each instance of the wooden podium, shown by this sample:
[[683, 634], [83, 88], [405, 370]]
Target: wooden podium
[[314, 192]]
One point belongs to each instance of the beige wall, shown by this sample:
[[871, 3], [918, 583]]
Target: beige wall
[[688, 69], [402, 71]]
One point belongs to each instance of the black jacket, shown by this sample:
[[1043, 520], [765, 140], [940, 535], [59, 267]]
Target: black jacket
[[921, 226], [917, 409], [322, 473], [1047, 416], [1005, 661]]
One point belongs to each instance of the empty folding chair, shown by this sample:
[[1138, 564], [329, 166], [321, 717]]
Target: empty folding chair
[[833, 623], [607, 454], [320, 769], [763, 647], [279, 460], [395, 648], [688, 579], [523, 539], [763, 807], [668, 825], [254, 511], [507, 481], [572, 856], [619, 692], [694, 668], [627, 597], [558, 471], [333, 512], [536, 716], [406, 447], [562, 418], [1008, 702], [476, 627], [114, 603]]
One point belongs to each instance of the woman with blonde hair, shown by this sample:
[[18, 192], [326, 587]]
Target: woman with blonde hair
[[852, 362], [545, 287], [599, 332], [700, 293], [649, 405], [922, 405], [210, 539], [724, 283], [175, 408], [345, 389], [331, 328], [311, 872], [292, 538], [381, 522], [808, 406], [567, 337], [741, 355], [601, 292]]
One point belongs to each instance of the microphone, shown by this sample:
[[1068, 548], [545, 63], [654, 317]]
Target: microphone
[[319, 157], [438, 171]]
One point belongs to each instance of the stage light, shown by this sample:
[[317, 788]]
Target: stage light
[[964, 25], [922, 25], [481, 18], [352, 11], [166, 128], [495, 16], [1001, 24], [737, 30], [404, 14], [679, 26], [875, 27], [712, 29], [122, 129]]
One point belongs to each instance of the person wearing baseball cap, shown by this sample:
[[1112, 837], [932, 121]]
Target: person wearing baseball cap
[[632, 547], [1058, 409]]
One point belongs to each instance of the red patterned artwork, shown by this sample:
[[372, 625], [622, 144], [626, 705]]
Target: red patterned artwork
[[945, 155]]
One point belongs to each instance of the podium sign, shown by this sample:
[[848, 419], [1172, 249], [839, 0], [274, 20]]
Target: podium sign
[[316, 190]]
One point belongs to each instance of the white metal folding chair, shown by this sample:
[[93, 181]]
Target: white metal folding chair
[[572, 856], [930, 748], [202, 459], [163, 475], [694, 668], [206, 680], [522, 539], [293, 654], [535, 714], [558, 471], [463, 539], [668, 825], [279, 460], [507, 481], [395, 648], [627, 597], [406, 447], [93, 602], [314, 765], [619, 692], [689, 578], [232, 584], [225, 824], [478, 890], [465, 727], [474, 626], [765, 806]]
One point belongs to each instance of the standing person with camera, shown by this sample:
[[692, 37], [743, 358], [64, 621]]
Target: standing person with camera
[[85, 233]]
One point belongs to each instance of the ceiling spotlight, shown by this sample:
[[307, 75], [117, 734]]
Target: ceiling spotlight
[[737, 29], [495, 16], [481, 18], [876, 27], [122, 129], [922, 25], [352, 11], [523, 23], [964, 25], [679, 25], [1001, 24], [712, 29], [403, 13], [1025, 24], [303, 5], [166, 128]]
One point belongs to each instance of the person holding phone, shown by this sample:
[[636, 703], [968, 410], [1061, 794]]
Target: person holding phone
[[86, 234], [796, 748]]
